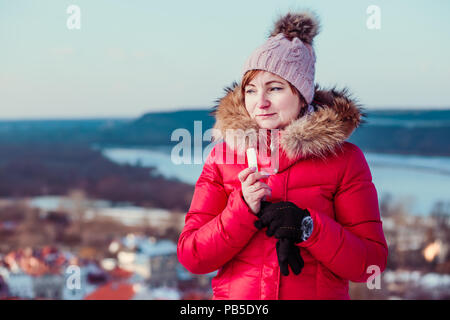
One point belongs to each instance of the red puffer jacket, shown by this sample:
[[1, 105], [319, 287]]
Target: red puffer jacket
[[316, 170]]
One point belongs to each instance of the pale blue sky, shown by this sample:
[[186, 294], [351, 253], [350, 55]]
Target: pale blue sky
[[131, 57]]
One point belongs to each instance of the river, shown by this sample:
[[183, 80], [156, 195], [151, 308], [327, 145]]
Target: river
[[418, 182]]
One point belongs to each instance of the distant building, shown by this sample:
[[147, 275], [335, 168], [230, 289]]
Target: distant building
[[137, 216], [162, 261], [20, 285], [73, 293], [160, 257], [25, 286], [91, 277], [162, 271], [194, 283], [4, 292], [48, 286]]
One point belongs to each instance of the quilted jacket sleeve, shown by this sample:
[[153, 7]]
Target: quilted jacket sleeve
[[354, 241], [217, 226]]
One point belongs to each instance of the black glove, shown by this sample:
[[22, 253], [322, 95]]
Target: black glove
[[264, 205], [284, 220], [289, 254]]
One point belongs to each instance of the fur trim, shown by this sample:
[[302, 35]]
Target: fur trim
[[304, 26], [316, 134], [233, 123]]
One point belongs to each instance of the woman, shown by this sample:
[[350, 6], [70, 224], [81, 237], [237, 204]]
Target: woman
[[316, 212]]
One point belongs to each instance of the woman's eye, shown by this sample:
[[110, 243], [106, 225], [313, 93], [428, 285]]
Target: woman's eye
[[249, 91], [276, 89]]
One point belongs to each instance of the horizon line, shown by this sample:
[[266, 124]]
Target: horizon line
[[130, 117]]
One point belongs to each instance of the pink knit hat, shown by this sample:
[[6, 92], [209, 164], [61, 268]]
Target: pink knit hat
[[288, 52]]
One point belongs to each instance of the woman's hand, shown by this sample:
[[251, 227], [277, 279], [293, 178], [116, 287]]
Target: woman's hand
[[285, 220], [253, 190]]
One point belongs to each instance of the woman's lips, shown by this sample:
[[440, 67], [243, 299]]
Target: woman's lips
[[266, 115]]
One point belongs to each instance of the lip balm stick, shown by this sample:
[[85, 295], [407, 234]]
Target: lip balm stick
[[251, 158]]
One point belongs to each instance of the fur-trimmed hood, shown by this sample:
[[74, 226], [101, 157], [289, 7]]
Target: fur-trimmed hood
[[332, 118]]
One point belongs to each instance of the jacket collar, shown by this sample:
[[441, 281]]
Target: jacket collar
[[333, 117]]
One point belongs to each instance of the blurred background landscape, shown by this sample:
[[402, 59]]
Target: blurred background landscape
[[104, 194], [86, 118]]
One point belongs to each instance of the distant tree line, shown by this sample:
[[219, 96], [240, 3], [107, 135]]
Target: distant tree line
[[421, 132], [427, 141], [33, 169]]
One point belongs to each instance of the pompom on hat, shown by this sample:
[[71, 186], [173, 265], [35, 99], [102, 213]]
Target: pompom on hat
[[288, 52]]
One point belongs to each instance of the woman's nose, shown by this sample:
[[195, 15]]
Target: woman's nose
[[263, 102]]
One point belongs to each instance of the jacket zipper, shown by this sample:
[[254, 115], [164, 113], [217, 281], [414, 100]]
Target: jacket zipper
[[270, 152], [285, 199]]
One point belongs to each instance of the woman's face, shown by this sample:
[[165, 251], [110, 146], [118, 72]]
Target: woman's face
[[270, 101]]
